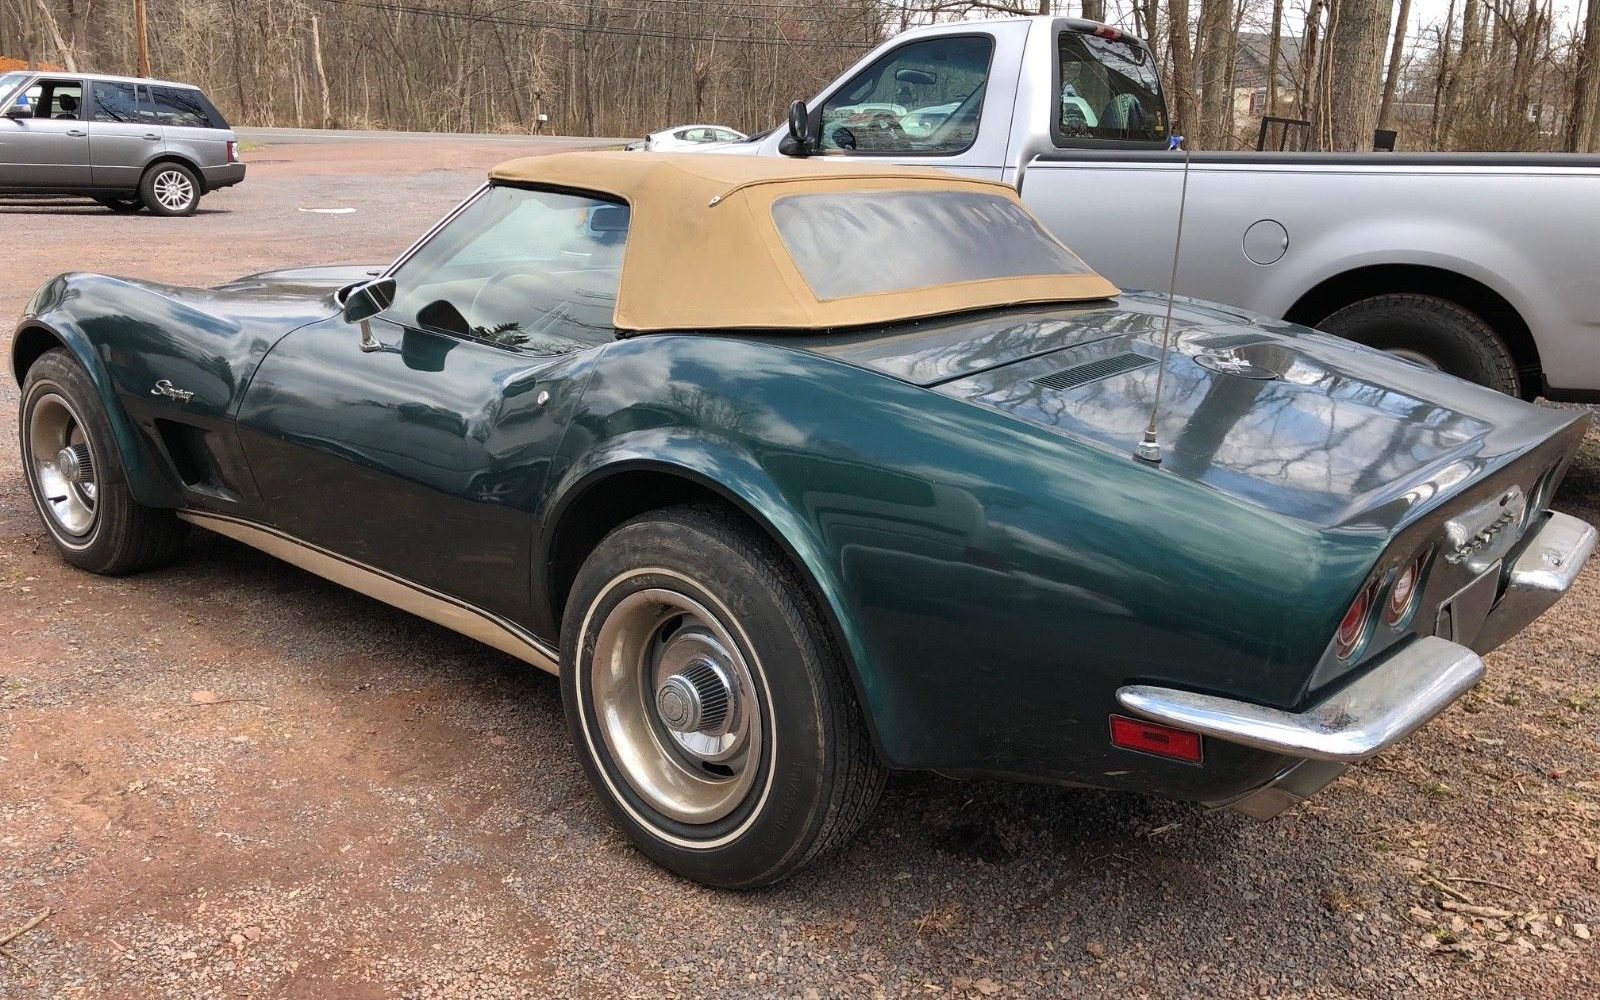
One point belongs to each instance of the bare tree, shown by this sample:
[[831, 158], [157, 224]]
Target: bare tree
[[1355, 47], [1396, 54], [1583, 135]]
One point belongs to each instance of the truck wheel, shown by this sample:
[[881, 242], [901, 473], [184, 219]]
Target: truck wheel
[[170, 189], [1429, 331], [76, 477], [708, 704]]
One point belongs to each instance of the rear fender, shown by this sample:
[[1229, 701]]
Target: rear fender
[[721, 468]]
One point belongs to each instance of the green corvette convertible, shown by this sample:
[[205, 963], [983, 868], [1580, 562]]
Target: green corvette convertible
[[798, 472]]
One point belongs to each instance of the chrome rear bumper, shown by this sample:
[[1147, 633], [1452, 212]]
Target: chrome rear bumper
[[1549, 560], [1382, 706], [1392, 699]]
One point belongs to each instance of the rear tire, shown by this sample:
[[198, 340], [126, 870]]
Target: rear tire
[[84, 498], [122, 206], [781, 768], [170, 189], [1431, 331]]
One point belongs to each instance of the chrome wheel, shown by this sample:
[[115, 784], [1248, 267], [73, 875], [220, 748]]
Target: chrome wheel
[[173, 189], [675, 702], [1415, 357], [63, 465]]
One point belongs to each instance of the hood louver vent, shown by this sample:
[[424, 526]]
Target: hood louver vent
[[1093, 371]]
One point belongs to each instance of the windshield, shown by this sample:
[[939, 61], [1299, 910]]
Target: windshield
[[8, 83], [1110, 89], [869, 242], [534, 271]]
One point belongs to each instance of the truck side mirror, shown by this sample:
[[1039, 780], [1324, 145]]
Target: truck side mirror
[[798, 141], [365, 301]]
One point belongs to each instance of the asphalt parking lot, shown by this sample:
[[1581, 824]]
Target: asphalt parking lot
[[232, 779]]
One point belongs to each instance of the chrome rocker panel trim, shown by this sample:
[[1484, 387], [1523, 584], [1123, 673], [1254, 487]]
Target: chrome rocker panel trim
[[441, 609], [1550, 560], [1384, 705]]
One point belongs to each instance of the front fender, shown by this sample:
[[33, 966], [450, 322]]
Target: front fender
[[47, 323]]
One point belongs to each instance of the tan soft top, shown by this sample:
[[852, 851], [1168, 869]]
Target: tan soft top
[[703, 251]]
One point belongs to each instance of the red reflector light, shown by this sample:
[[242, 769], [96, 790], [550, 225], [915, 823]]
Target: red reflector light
[[1148, 737], [233, 152], [1353, 627]]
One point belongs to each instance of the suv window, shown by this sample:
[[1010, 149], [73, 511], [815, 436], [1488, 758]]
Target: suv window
[[536, 271], [116, 102], [1109, 90], [180, 106], [922, 98], [61, 99]]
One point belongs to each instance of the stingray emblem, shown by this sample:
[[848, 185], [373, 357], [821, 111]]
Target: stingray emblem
[[167, 389]]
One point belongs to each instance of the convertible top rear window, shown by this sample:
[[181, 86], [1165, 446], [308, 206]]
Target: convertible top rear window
[[866, 243]]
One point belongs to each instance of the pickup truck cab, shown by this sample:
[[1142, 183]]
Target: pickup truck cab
[[1477, 264], [127, 143]]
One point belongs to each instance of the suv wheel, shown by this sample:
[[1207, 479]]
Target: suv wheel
[[170, 189]]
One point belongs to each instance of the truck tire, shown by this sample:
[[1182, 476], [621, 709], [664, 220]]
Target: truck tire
[[76, 478], [1429, 331], [709, 704], [170, 189]]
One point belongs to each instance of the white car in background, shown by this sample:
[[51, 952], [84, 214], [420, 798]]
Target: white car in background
[[687, 137]]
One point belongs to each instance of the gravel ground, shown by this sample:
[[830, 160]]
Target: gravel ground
[[231, 779]]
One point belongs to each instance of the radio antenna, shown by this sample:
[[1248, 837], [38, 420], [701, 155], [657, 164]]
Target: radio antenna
[[1149, 449]]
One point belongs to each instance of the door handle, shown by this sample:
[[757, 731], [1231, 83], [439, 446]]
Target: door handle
[[76, 132], [151, 135]]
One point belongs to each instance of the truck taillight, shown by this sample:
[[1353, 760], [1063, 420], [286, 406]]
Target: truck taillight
[[233, 151]]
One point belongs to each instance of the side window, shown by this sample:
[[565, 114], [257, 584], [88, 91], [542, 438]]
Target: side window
[[179, 106], [922, 98], [535, 271], [59, 99], [1110, 89], [116, 102]]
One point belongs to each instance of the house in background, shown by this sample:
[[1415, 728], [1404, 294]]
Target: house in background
[[1250, 75]]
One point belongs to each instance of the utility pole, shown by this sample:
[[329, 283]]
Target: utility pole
[[142, 37]]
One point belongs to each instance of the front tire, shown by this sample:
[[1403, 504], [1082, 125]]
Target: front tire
[[76, 477], [1430, 331], [170, 189], [708, 704]]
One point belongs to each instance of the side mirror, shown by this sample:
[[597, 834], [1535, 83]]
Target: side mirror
[[798, 141], [365, 301], [19, 111]]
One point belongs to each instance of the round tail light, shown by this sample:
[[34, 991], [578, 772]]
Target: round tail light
[[1353, 626], [1403, 593]]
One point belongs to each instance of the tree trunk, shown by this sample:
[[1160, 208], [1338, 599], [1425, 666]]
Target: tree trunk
[[1396, 51], [1215, 50], [1583, 131], [322, 75], [1353, 54], [68, 57], [1094, 10], [1274, 55], [1183, 109]]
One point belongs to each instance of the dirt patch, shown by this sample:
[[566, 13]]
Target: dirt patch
[[366, 806]]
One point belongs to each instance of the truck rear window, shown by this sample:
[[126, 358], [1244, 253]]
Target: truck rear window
[[868, 242], [1109, 89]]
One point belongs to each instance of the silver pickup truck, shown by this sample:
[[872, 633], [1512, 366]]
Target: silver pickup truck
[[128, 143], [1483, 265]]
